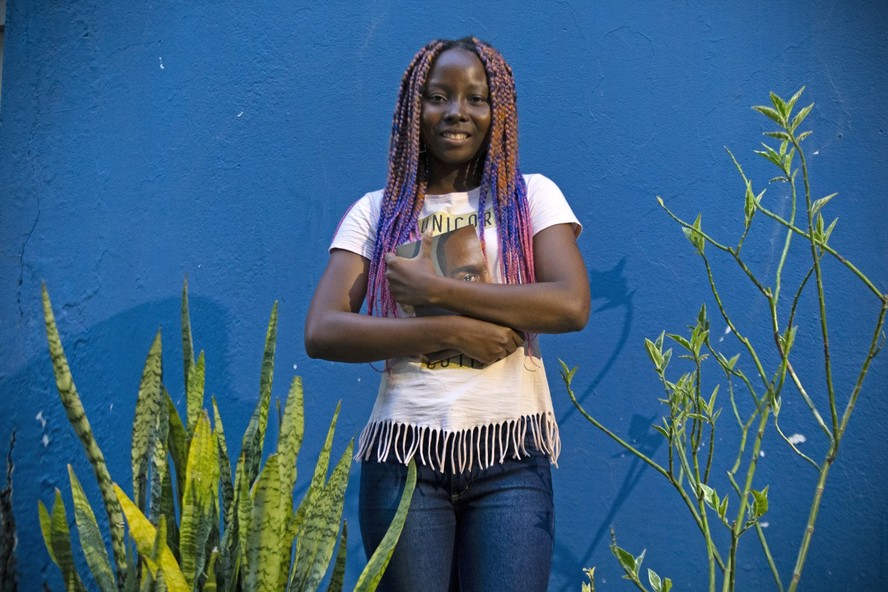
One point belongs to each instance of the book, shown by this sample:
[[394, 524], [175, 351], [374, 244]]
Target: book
[[456, 254]]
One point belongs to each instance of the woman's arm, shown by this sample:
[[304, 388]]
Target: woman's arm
[[335, 329], [558, 302]]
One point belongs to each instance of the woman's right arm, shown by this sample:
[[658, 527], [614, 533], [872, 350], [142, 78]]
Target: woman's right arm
[[336, 330]]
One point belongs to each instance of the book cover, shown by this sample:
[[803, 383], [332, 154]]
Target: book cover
[[455, 254]]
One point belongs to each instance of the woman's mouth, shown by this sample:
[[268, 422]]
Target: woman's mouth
[[455, 136]]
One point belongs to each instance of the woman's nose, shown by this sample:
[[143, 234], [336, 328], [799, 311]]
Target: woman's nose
[[456, 110]]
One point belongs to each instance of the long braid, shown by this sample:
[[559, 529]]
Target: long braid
[[405, 188]]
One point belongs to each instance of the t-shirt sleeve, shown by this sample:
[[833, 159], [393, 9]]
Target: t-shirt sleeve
[[548, 205], [357, 229]]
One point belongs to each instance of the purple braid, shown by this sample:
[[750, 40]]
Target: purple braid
[[405, 188]]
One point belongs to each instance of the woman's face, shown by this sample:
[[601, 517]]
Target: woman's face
[[455, 109]]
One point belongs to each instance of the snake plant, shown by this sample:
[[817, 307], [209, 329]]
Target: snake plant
[[194, 526]]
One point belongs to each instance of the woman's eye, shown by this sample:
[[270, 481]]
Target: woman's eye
[[469, 277], [435, 98], [479, 100]]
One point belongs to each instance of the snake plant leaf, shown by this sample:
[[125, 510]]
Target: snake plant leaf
[[91, 537], [145, 536], [210, 584], [145, 423], [243, 511], [46, 529], [372, 574], [194, 392], [338, 576], [177, 443], [292, 429], [262, 564], [254, 435], [224, 462], [80, 424], [159, 460], [187, 343], [167, 509], [318, 534], [198, 509], [60, 539], [320, 471]]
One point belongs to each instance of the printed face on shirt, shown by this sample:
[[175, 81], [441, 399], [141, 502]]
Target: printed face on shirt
[[455, 109], [459, 256]]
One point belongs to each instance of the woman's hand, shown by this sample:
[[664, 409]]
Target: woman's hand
[[483, 341], [411, 280]]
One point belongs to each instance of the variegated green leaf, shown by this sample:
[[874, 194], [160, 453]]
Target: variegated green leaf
[[80, 423], [91, 537], [224, 462], [372, 574], [338, 577], [194, 392], [320, 471], [292, 428], [262, 565], [210, 584], [145, 536], [46, 529], [255, 433], [177, 443], [60, 538], [159, 460], [187, 343], [317, 537], [198, 508], [145, 424]]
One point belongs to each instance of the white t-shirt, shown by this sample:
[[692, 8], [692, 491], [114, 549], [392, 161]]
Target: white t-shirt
[[457, 409]]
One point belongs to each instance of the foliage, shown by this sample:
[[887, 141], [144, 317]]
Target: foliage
[[689, 426], [192, 526], [8, 579]]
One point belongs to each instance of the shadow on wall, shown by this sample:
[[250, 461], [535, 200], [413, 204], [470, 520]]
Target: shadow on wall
[[611, 287], [106, 361]]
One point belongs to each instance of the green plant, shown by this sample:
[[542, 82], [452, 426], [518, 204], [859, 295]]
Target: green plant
[[191, 525], [689, 427]]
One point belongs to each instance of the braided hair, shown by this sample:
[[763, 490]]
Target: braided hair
[[501, 180]]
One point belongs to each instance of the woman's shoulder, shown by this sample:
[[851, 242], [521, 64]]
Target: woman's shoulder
[[540, 185]]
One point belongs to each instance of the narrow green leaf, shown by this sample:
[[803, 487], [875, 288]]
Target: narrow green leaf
[[292, 428], [187, 343], [372, 574], [91, 537], [145, 423], [785, 137], [792, 101], [224, 462], [818, 204], [79, 422], [802, 136], [145, 536], [254, 436], [60, 538], [800, 117], [338, 576], [46, 529], [769, 112], [198, 509], [317, 537], [177, 443], [194, 392], [262, 566]]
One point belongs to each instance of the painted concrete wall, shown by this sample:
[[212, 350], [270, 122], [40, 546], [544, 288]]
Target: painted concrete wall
[[143, 142]]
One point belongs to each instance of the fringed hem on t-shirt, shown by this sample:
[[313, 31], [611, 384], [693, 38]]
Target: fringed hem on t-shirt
[[460, 450]]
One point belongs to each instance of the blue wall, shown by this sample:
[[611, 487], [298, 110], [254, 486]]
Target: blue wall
[[144, 141]]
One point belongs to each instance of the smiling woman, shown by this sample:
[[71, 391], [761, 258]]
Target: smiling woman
[[477, 419]]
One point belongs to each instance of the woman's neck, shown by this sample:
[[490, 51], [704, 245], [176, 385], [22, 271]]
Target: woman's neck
[[444, 179]]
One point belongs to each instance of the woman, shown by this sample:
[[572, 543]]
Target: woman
[[477, 419]]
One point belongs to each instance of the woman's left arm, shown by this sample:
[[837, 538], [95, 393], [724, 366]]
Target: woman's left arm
[[558, 302]]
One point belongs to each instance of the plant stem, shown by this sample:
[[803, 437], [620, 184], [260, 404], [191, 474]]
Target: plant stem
[[767, 550], [812, 519]]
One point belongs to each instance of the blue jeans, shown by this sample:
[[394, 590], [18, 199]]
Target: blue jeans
[[482, 530]]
